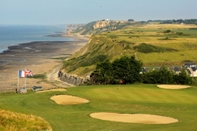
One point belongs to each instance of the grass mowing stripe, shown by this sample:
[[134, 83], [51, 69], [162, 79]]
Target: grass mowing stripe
[[137, 98]]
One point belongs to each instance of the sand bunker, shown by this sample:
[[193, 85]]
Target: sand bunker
[[134, 118], [51, 90], [173, 86], [68, 100]]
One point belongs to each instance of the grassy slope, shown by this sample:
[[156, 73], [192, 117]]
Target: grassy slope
[[11, 121], [180, 104], [85, 60], [122, 42]]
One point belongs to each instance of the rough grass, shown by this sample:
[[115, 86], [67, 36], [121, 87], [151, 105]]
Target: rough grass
[[129, 99], [152, 34], [10, 121]]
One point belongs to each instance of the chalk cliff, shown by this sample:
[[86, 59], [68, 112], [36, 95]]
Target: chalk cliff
[[96, 27]]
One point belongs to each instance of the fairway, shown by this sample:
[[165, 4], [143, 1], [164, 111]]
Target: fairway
[[121, 99]]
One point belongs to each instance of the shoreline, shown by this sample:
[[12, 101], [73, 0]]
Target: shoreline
[[39, 56], [76, 37]]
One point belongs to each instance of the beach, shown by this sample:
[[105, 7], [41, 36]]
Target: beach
[[41, 57]]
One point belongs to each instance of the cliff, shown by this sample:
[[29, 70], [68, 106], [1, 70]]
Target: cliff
[[96, 27], [70, 79]]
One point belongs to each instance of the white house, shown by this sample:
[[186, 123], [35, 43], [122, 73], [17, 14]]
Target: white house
[[191, 68]]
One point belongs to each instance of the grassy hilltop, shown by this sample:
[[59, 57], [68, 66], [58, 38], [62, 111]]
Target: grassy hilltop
[[154, 44]]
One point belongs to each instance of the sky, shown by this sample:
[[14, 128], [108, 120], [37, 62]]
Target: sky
[[53, 12]]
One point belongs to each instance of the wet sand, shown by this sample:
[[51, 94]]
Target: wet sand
[[40, 57]]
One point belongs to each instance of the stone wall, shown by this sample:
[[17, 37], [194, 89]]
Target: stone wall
[[71, 79]]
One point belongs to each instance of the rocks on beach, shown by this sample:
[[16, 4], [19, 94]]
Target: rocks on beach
[[40, 57]]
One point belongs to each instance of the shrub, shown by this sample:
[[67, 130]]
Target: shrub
[[179, 33], [39, 76], [147, 48], [164, 76], [167, 31]]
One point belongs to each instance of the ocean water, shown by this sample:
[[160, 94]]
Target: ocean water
[[15, 34]]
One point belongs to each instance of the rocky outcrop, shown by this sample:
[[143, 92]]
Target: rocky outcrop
[[71, 79], [101, 24], [111, 24]]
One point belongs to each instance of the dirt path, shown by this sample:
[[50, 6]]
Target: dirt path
[[52, 77]]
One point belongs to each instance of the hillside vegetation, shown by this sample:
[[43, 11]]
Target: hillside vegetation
[[153, 44]]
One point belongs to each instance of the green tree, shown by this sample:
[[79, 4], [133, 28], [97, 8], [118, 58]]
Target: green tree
[[183, 78], [135, 68], [103, 73], [121, 69], [124, 69], [127, 69], [164, 76]]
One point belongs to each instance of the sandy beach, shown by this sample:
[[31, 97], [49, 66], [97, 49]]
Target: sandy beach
[[39, 57]]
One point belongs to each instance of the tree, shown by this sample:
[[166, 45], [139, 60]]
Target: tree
[[103, 73], [127, 69], [124, 69], [183, 78], [121, 69], [135, 68], [164, 76]]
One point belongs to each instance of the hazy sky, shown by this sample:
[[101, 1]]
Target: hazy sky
[[84, 11]]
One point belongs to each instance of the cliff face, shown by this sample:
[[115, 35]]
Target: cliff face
[[101, 24], [108, 23], [96, 27], [70, 79]]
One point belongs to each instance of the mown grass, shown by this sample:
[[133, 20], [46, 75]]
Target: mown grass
[[137, 98]]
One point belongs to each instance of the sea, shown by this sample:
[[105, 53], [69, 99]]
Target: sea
[[17, 34]]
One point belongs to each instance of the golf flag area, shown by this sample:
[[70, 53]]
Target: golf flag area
[[24, 74]]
